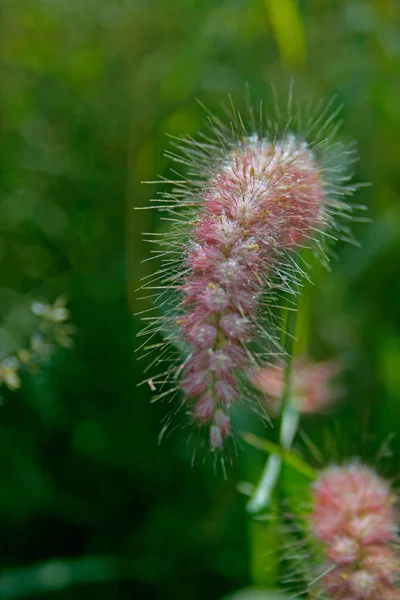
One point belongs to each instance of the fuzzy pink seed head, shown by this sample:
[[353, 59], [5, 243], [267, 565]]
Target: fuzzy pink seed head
[[348, 500], [353, 518], [261, 198], [312, 387], [254, 201]]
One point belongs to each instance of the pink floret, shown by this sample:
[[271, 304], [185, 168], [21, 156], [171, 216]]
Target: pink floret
[[202, 335], [354, 519], [205, 408], [235, 326]]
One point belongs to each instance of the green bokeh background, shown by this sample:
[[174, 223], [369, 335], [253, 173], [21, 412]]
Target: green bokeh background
[[89, 90]]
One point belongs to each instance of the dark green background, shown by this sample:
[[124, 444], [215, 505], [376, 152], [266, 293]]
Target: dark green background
[[89, 88]]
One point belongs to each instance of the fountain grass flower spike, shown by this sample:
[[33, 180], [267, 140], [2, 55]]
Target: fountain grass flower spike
[[253, 197], [312, 387], [353, 518]]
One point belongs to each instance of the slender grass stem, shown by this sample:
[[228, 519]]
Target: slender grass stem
[[289, 414], [287, 430]]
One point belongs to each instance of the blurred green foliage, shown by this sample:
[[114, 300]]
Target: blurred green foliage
[[89, 90]]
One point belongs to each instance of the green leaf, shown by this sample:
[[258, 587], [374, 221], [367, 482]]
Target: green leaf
[[288, 28], [288, 456]]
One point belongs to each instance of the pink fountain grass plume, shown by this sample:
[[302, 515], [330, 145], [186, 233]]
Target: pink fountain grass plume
[[354, 520], [250, 202], [312, 385]]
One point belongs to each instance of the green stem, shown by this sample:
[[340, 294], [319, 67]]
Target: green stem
[[287, 429], [289, 414]]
